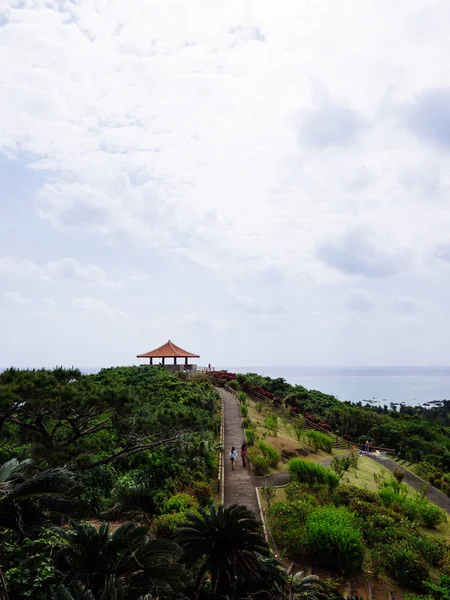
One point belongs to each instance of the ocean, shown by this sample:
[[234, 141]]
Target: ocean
[[377, 385]]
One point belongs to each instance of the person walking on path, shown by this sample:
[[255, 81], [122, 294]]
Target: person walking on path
[[233, 457], [244, 454]]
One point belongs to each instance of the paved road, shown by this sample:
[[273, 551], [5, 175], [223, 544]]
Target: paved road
[[239, 484]]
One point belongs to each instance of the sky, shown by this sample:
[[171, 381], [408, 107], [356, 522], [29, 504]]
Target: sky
[[263, 183]]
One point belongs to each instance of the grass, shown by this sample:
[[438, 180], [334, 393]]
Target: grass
[[285, 439], [363, 476]]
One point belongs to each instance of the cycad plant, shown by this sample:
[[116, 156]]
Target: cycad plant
[[305, 587], [135, 562], [226, 546], [28, 503]]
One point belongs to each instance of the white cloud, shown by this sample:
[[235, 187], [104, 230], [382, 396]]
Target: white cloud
[[15, 297], [98, 307], [230, 158], [59, 269], [359, 300], [50, 301]]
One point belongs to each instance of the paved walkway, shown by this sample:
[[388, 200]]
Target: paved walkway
[[239, 484]]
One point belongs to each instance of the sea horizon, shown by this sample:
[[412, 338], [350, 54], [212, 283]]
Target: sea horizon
[[377, 385]]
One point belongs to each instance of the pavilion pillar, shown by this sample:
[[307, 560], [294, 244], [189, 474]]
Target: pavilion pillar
[[163, 361], [151, 360], [174, 360]]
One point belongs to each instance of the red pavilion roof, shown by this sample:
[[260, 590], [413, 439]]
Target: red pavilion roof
[[168, 350]]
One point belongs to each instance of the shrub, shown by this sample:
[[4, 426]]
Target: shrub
[[244, 410], [97, 484], [271, 424], [299, 433], [340, 465], [268, 492], [350, 495], [333, 538], [233, 384], [440, 589], [398, 474], [287, 523], [416, 508], [432, 550], [164, 526], [247, 423], [270, 453], [304, 471], [178, 503], [203, 492], [242, 397], [259, 463], [403, 563], [28, 564], [319, 440], [250, 436]]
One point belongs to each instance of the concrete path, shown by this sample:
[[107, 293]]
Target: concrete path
[[239, 484]]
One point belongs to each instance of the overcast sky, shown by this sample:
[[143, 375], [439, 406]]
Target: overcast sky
[[263, 182]]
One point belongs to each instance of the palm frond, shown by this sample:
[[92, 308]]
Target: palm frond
[[11, 467]]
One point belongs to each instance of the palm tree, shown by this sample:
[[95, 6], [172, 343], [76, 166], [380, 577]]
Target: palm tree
[[28, 503], [226, 543], [136, 562]]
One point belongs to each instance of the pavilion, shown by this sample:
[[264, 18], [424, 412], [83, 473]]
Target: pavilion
[[170, 350]]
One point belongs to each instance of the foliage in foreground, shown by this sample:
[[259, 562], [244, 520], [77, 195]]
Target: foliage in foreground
[[226, 543]]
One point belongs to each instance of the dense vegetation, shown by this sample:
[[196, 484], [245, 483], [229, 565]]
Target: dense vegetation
[[108, 491], [126, 443], [419, 434], [340, 526]]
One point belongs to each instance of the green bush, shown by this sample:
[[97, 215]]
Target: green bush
[[271, 424], [349, 495], [203, 492], [287, 523], [440, 590], [416, 508], [333, 537], [28, 564], [164, 526], [403, 563], [179, 503], [250, 436], [260, 464], [233, 384], [299, 433], [319, 440], [244, 409], [247, 423], [269, 452], [96, 485], [304, 471], [432, 550], [242, 397]]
